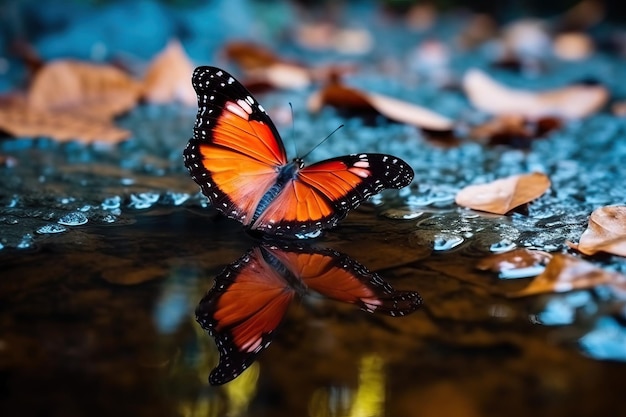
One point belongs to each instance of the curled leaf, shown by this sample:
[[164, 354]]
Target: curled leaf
[[567, 273], [606, 232], [346, 98], [518, 263], [571, 102], [167, 77], [503, 195], [97, 92]]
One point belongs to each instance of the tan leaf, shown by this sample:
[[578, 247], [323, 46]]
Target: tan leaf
[[513, 260], [567, 273], [503, 195], [572, 102], [23, 120], [606, 232], [573, 46], [97, 92], [347, 98], [168, 77]]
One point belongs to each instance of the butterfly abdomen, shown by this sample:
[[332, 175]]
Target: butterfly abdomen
[[286, 173]]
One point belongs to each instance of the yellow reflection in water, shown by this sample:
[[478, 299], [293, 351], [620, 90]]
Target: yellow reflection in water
[[242, 390], [233, 398], [368, 400]]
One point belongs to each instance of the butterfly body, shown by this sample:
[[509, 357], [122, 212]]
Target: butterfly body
[[238, 159]]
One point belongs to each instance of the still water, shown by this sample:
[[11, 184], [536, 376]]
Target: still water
[[100, 320]]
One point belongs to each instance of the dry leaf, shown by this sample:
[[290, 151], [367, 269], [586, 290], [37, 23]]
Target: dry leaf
[[97, 92], [264, 68], [571, 102], [566, 273], [606, 232], [515, 259], [514, 130], [347, 98], [251, 55], [503, 195], [168, 76], [23, 120]]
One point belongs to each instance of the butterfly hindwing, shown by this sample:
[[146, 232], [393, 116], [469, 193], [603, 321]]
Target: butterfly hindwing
[[323, 193], [339, 277]]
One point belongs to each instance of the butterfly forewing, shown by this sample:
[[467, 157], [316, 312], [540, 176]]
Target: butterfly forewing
[[246, 304], [235, 153]]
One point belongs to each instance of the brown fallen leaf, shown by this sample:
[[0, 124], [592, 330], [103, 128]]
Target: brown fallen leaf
[[514, 130], [606, 232], [572, 102], [168, 76], [503, 195], [567, 273], [97, 92], [23, 120], [515, 259], [263, 67], [346, 98]]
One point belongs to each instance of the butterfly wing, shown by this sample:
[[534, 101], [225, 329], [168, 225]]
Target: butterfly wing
[[236, 152], [339, 277], [323, 193], [246, 304]]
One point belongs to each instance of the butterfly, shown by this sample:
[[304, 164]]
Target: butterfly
[[237, 157], [250, 297]]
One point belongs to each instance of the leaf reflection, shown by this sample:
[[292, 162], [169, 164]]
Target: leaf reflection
[[250, 297]]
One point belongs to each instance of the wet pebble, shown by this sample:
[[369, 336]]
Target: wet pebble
[[143, 201], [51, 228], [607, 341], [111, 203], [561, 310], [402, 214], [73, 219], [26, 242], [446, 242], [504, 245], [174, 198], [527, 272]]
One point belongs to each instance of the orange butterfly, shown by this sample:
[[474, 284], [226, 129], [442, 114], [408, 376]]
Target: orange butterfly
[[250, 298], [238, 159]]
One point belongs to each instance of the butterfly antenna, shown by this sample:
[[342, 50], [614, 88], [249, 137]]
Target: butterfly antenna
[[324, 140], [293, 130]]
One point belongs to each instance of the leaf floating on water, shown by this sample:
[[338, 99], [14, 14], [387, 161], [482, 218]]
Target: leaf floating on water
[[518, 263], [96, 92], [503, 195], [340, 96], [167, 77], [606, 232], [572, 102], [567, 273]]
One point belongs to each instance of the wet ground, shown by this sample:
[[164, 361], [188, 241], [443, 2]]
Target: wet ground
[[106, 251]]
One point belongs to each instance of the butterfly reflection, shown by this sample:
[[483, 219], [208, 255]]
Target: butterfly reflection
[[250, 298]]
